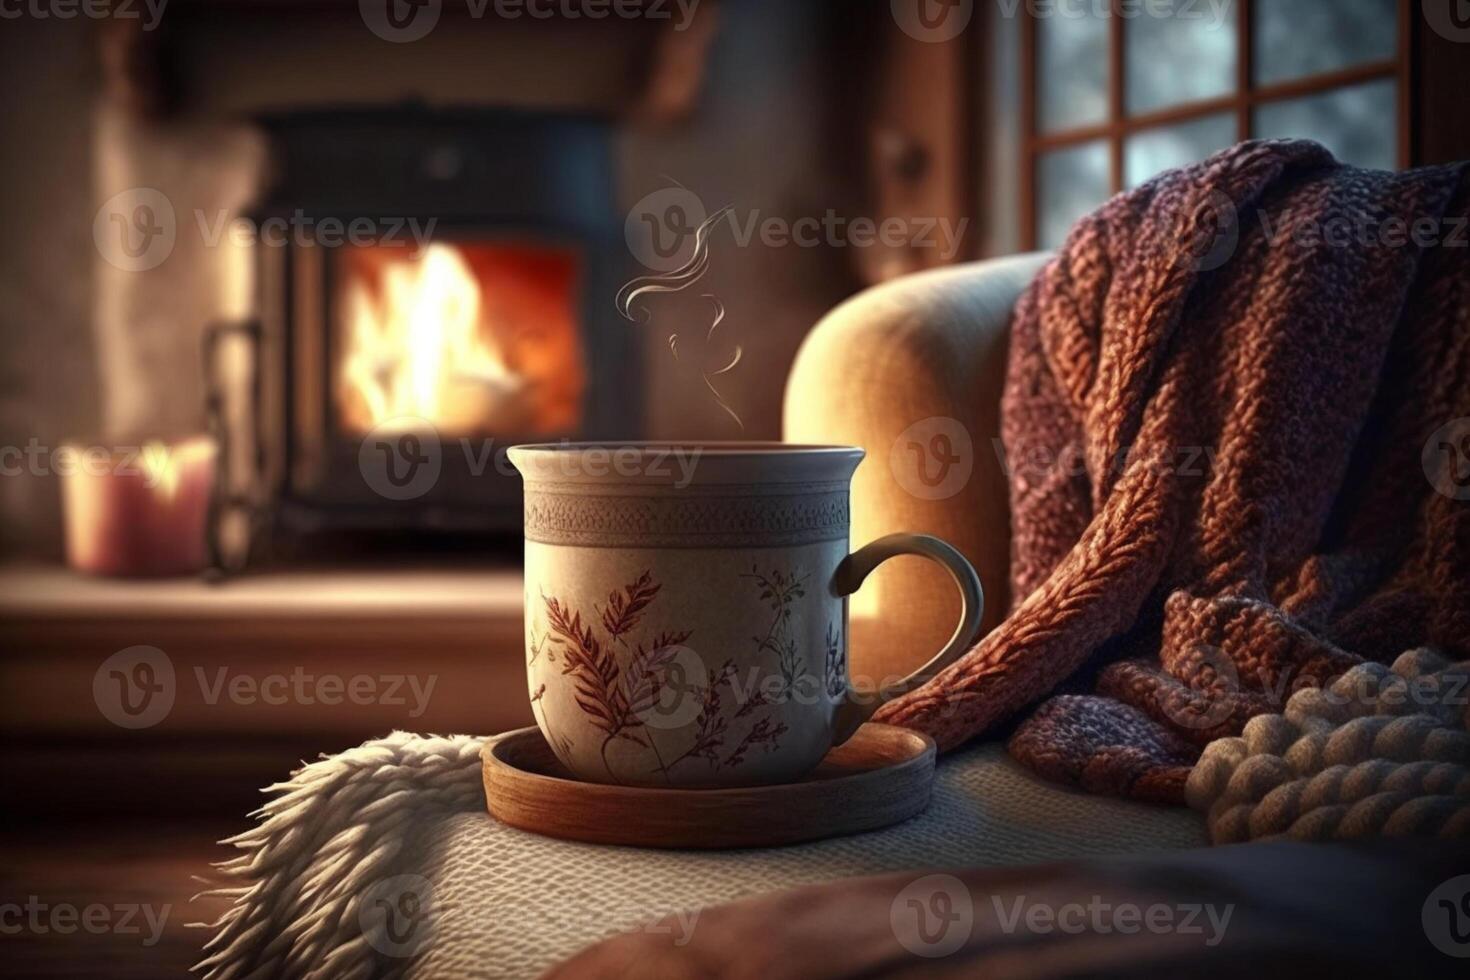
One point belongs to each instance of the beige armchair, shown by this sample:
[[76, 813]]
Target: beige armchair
[[912, 372]]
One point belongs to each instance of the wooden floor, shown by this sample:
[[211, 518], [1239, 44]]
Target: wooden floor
[[106, 901]]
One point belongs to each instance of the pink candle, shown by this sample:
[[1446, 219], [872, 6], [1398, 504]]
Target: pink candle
[[137, 511]]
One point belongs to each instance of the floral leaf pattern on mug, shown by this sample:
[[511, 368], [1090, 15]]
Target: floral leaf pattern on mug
[[780, 590], [624, 608], [536, 646], [711, 725], [836, 664], [616, 696], [643, 681], [561, 745], [763, 732], [596, 670]]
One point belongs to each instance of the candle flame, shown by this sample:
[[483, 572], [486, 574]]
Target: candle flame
[[160, 469]]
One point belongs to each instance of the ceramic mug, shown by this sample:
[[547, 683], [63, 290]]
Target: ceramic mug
[[686, 608]]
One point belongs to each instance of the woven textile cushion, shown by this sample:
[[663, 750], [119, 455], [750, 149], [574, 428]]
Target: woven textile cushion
[[314, 883]]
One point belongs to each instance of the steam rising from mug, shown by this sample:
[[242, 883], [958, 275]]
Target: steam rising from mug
[[676, 281]]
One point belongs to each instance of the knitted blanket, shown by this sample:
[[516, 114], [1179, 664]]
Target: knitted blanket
[[1236, 420]]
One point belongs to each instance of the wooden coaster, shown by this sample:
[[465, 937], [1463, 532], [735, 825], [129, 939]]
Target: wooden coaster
[[878, 777]]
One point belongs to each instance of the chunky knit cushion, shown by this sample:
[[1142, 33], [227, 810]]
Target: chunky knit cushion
[[1379, 752]]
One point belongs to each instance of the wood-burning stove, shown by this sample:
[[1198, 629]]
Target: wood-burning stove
[[432, 287]]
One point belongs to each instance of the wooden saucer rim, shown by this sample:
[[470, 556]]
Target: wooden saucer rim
[[490, 756], [804, 810]]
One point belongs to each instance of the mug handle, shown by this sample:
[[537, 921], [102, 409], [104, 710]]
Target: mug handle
[[859, 707]]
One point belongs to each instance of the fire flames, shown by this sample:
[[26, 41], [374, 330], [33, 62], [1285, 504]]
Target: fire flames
[[422, 340]]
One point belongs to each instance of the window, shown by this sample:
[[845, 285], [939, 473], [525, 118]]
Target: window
[[1114, 91]]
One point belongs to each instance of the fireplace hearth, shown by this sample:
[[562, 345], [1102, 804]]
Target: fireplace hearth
[[451, 295]]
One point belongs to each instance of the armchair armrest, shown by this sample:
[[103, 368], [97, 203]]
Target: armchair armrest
[[912, 372]]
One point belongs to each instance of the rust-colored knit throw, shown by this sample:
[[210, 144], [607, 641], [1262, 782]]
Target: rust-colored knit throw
[[1237, 429]]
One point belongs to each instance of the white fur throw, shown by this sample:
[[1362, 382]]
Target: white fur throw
[[1380, 752], [301, 887]]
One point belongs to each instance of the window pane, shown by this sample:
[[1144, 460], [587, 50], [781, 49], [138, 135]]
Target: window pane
[[1183, 57], [1069, 184], [1153, 150], [1357, 124], [1072, 69], [1295, 38]]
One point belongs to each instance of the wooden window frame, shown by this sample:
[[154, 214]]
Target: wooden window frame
[[1242, 101]]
